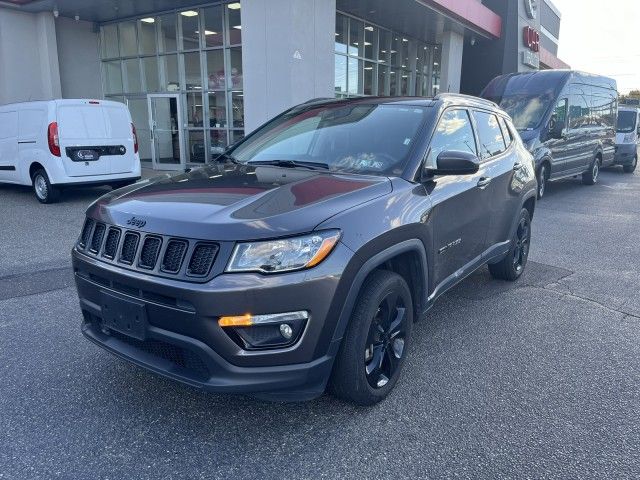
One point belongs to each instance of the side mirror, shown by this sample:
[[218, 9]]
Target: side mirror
[[453, 162], [556, 129]]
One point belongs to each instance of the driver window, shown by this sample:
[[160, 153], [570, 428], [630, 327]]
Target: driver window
[[560, 112], [454, 133]]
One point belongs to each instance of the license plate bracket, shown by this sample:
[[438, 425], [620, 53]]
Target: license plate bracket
[[123, 315]]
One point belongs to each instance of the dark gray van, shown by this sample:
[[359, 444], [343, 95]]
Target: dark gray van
[[566, 119]]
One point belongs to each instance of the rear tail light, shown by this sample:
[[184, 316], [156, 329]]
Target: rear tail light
[[54, 139], [135, 138]]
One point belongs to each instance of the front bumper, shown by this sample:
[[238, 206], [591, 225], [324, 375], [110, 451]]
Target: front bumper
[[183, 340], [625, 153]]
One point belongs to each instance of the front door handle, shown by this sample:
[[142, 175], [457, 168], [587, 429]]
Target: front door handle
[[517, 166], [483, 182]]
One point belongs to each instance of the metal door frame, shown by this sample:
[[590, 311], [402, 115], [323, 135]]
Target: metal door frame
[[154, 160]]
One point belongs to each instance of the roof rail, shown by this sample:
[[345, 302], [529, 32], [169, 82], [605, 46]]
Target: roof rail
[[444, 95]]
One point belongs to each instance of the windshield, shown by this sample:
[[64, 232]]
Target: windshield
[[626, 121], [526, 111], [361, 138]]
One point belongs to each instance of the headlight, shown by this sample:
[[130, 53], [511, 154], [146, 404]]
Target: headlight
[[629, 138], [283, 255]]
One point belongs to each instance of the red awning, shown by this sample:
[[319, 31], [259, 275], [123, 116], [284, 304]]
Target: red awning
[[470, 13], [549, 60]]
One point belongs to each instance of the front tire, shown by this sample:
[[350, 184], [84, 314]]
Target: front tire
[[590, 177], [511, 267], [44, 191], [375, 345], [631, 168]]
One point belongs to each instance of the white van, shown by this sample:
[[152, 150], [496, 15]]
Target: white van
[[627, 138], [59, 143]]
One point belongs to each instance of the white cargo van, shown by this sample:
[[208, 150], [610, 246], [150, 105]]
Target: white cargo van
[[60, 143]]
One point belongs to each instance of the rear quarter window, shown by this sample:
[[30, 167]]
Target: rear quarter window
[[31, 123], [489, 134]]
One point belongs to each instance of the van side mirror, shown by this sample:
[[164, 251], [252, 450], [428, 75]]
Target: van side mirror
[[556, 129], [453, 162]]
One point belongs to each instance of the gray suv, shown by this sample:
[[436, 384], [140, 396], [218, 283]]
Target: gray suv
[[300, 259]]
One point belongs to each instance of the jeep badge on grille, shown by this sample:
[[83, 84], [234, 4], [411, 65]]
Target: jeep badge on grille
[[136, 222]]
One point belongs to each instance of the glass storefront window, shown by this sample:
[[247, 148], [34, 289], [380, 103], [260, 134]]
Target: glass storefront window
[[190, 20], [368, 76], [213, 31], [150, 69], [235, 23], [196, 152], [112, 74], [147, 36], [237, 106], [109, 41], [192, 78], [195, 52], [171, 78], [128, 39], [437, 54], [388, 63], [235, 74], [193, 109], [168, 32], [356, 37], [217, 110], [342, 27], [216, 78], [340, 75], [218, 139], [133, 79], [236, 135]]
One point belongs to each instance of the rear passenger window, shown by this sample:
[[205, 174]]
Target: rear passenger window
[[506, 132], [491, 140], [454, 133]]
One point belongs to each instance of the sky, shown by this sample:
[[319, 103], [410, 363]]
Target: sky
[[602, 37]]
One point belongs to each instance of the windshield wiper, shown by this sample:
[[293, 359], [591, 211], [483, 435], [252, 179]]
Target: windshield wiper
[[292, 164]]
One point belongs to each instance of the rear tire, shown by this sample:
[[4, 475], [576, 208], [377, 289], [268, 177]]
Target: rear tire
[[376, 342], [543, 178], [590, 177], [631, 168], [44, 191], [511, 267]]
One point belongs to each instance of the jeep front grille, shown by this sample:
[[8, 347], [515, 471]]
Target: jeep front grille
[[171, 257]]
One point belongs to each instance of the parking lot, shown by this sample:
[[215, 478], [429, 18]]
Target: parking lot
[[535, 379]]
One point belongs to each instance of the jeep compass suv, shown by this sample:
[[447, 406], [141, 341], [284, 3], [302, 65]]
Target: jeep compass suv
[[301, 257]]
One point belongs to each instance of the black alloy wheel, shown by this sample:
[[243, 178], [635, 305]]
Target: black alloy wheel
[[385, 340]]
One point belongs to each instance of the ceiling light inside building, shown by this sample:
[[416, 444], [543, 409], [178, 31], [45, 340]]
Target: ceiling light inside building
[[207, 32], [237, 27], [148, 20], [368, 68], [369, 28], [189, 13], [405, 40], [234, 6]]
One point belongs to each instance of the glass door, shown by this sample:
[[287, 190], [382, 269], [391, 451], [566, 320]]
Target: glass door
[[165, 122]]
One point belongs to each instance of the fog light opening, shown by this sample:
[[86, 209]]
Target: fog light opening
[[286, 331]]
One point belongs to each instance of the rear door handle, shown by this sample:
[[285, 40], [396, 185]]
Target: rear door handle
[[517, 166], [483, 182]]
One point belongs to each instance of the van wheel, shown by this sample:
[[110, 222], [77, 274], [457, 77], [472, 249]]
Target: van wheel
[[512, 266], [590, 177], [375, 345], [45, 192], [543, 178], [631, 168]]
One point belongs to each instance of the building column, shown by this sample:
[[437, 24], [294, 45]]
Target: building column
[[48, 51], [451, 63], [287, 55]]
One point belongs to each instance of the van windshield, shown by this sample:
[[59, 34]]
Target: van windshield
[[356, 138], [527, 111], [626, 121]]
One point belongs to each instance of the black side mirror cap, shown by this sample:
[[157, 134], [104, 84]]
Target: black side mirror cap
[[453, 162]]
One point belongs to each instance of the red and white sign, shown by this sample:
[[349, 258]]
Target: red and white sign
[[531, 39]]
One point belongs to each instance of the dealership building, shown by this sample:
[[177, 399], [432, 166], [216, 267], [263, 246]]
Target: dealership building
[[198, 76]]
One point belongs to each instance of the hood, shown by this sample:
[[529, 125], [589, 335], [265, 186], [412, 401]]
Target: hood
[[236, 202]]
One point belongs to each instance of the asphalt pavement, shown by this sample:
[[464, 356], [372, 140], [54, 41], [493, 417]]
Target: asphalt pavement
[[536, 379]]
